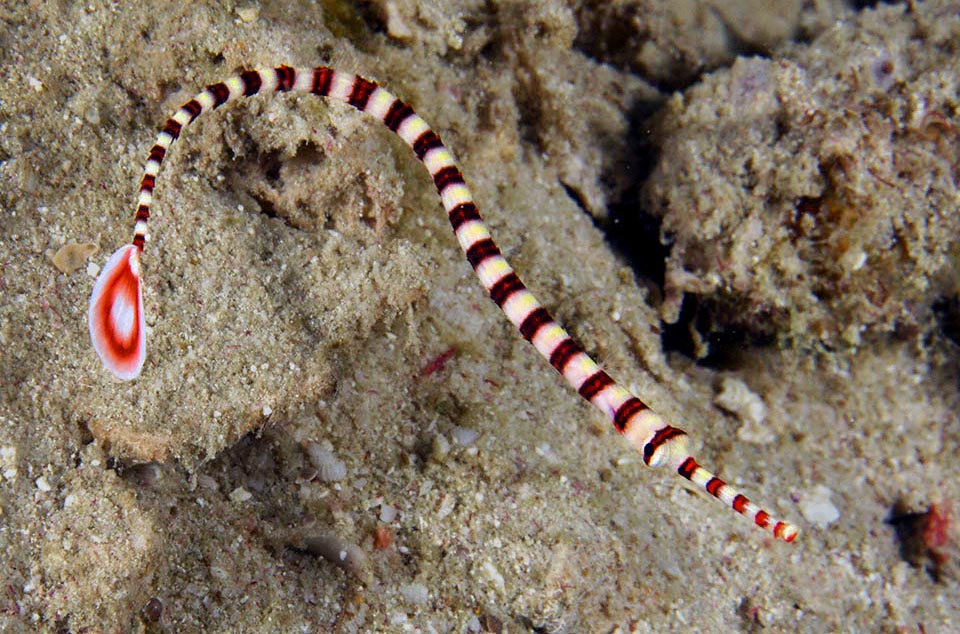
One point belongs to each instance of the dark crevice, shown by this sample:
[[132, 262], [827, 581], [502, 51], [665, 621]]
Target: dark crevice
[[697, 334], [706, 329], [917, 533], [634, 233], [264, 463], [271, 167], [631, 229], [677, 337], [947, 313], [267, 208], [575, 196], [261, 176], [860, 5], [725, 346], [610, 40]]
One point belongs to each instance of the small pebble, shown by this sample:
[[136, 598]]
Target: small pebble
[[348, 557], [307, 474], [206, 482], [383, 537], [42, 483], [736, 397], [8, 454], [545, 451], [396, 27], [415, 593], [72, 256], [388, 513], [440, 449], [8, 462], [329, 468], [447, 504], [489, 624], [487, 573], [248, 13], [153, 610], [240, 495], [817, 508], [144, 475], [464, 437]]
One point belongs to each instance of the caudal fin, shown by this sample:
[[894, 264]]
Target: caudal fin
[[116, 314]]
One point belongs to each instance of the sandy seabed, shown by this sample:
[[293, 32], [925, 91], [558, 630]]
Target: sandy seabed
[[326, 376]]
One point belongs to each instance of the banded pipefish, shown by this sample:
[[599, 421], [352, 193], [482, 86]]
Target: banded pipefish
[[116, 318]]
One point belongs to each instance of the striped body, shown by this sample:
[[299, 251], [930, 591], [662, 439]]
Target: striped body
[[658, 442]]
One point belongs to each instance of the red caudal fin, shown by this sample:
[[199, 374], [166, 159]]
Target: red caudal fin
[[116, 314]]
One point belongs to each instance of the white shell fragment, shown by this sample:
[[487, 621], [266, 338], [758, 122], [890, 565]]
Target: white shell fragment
[[329, 468], [736, 397], [817, 508], [239, 495], [415, 593], [346, 556]]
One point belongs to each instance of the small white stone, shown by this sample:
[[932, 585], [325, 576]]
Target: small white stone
[[489, 574], [8, 462], [817, 508], [396, 26], [738, 399], [206, 482], [240, 495], [248, 14], [464, 436], [415, 593], [388, 513], [329, 468], [853, 260], [545, 451], [447, 504], [42, 483], [440, 449]]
